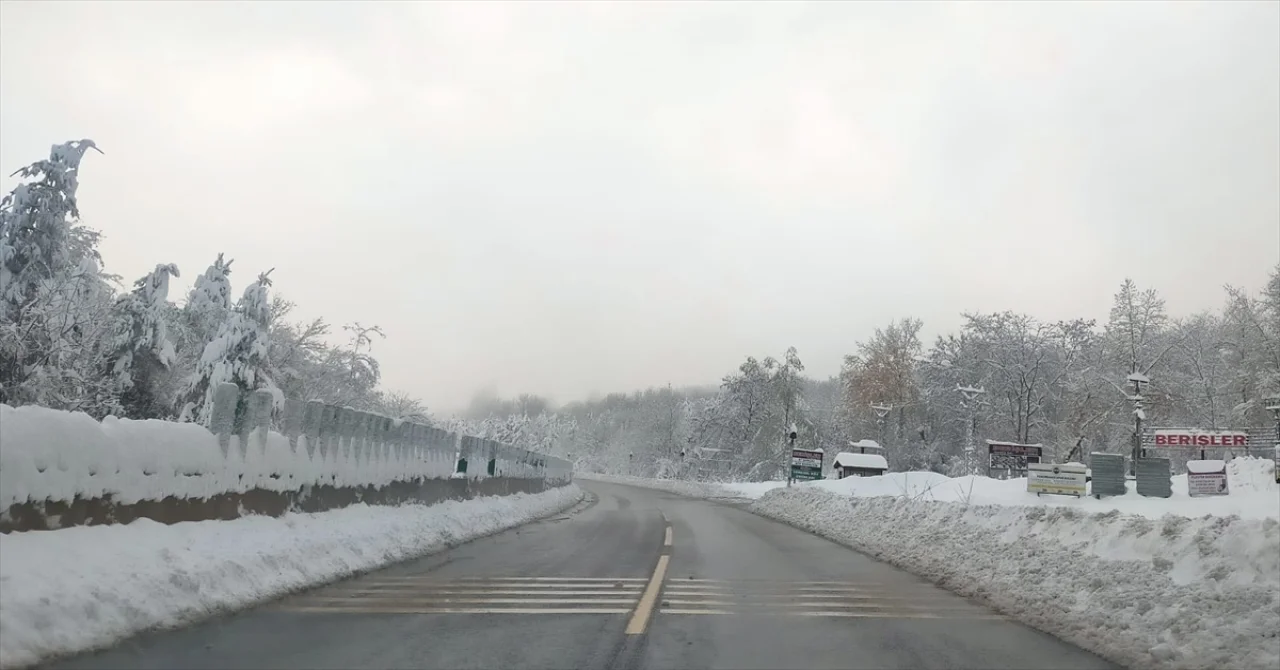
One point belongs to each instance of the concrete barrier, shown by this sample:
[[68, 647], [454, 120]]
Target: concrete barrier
[[61, 469]]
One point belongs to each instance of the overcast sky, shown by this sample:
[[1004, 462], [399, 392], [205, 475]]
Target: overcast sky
[[568, 198]]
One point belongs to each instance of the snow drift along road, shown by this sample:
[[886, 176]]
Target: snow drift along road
[[76, 589], [1176, 593]]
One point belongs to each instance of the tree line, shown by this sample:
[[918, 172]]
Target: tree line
[[1066, 385], [72, 338]]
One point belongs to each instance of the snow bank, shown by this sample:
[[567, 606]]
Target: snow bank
[[76, 589], [1175, 593], [1254, 494], [56, 455], [1174, 583]]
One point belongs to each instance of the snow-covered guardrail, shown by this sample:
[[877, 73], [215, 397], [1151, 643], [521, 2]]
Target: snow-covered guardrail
[[60, 469]]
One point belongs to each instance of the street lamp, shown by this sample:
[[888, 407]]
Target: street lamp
[[1139, 382], [791, 441], [970, 394]]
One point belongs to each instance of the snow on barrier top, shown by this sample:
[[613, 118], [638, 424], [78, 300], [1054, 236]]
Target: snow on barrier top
[[50, 454]]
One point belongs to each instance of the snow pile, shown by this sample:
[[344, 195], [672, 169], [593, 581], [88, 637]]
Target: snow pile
[[1254, 494], [55, 455], [80, 588], [1173, 593]]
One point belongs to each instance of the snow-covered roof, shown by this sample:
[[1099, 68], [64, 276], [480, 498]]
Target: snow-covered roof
[[1012, 444], [1204, 467], [845, 459], [866, 444]]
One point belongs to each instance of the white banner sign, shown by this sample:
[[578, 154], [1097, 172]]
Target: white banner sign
[[1207, 478], [1056, 478]]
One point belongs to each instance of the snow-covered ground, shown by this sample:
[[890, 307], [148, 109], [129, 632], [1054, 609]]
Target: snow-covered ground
[[1176, 583], [80, 588], [1254, 494]]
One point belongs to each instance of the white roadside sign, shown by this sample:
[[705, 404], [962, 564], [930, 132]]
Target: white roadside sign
[[1057, 478], [1207, 478]]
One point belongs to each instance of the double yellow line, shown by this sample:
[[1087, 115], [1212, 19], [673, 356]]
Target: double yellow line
[[644, 609]]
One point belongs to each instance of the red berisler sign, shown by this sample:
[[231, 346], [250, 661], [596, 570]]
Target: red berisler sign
[[1197, 438]]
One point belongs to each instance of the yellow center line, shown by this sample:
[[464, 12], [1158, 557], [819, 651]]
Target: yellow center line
[[640, 620], [644, 609]]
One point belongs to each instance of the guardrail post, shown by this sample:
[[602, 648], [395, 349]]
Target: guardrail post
[[346, 432], [292, 424], [223, 418], [260, 404], [311, 417], [329, 432], [364, 437]]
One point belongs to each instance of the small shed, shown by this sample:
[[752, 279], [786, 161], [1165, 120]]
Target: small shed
[[859, 465]]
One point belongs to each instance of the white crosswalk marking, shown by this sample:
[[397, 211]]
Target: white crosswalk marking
[[496, 595], [412, 594], [815, 599]]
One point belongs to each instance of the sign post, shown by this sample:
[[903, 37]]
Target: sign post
[[806, 464], [1011, 457]]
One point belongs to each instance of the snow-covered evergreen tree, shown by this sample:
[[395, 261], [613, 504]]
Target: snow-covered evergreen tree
[[54, 298], [238, 353], [210, 298], [140, 345], [36, 221]]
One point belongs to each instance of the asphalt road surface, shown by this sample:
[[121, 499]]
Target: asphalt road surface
[[630, 579]]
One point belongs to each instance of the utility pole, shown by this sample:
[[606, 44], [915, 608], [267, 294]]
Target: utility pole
[[882, 412], [970, 396]]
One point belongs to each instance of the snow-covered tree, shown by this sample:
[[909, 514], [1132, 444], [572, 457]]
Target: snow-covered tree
[[140, 345], [1250, 340], [883, 373], [1134, 331], [36, 223], [399, 405], [54, 298], [239, 353], [210, 298]]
